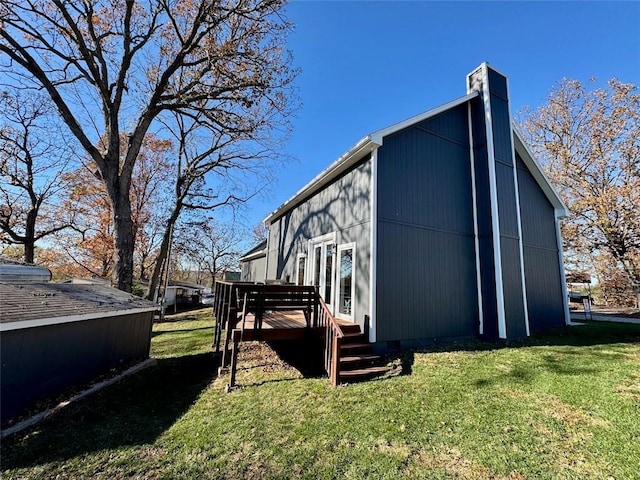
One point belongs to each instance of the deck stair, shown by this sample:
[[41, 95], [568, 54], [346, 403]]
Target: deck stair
[[357, 360]]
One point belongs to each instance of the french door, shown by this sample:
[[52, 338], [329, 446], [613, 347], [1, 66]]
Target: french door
[[331, 268], [322, 262]]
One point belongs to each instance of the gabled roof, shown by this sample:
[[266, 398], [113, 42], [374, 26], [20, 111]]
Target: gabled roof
[[258, 251], [356, 153], [32, 305], [374, 140]]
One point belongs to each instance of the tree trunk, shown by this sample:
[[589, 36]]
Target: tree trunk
[[162, 255], [29, 249], [124, 242], [30, 235]]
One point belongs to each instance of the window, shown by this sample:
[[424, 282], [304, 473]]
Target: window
[[302, 263], [345, 280], [328, 273], [318, 259]]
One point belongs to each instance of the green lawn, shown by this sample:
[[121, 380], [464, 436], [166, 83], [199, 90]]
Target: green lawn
[[564, 405]]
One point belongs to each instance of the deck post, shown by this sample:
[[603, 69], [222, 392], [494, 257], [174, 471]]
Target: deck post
[[231, 324], [234, 358], [316, 308], [335, 360]]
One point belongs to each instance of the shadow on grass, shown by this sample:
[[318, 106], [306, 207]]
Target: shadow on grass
[[589, 335], [186, 330], [135, 411], [306, 355]]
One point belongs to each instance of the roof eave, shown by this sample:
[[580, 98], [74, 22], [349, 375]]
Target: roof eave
[[45, 322], [347, 160], [253, 256], [356, 153]]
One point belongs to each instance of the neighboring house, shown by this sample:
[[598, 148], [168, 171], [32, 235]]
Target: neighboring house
[[54, 336], [180, 294], [253, 264], [438, 227], [230, 276]]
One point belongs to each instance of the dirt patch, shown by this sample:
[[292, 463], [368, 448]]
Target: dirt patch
[[453, 463], [570, 415]]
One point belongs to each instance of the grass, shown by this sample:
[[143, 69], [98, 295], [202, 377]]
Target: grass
[[562, 405]]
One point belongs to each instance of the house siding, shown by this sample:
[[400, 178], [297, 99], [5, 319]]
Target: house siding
[[344, 207], [545, 300], [426, 278], [42, 362], [485, 220], [254, 270]]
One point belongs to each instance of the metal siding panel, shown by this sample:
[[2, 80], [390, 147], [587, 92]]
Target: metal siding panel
[[501, 130], [541, 265], [537, 214], [426, 286], [426, 258], [344, 207], [506, 201], [485, 233], [497, 83], [512, 284], [544, 290], [44, 361]]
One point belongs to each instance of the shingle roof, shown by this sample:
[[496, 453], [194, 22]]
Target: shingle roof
[[54, 300]]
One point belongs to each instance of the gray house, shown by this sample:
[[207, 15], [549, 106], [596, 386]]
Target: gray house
[[253, 264], [442, 226]]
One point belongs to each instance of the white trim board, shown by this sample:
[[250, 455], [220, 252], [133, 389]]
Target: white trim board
[[516, 185], [476, 239], [45, 322], [373, 247], [493, 196], [253, 256], [357, 152]]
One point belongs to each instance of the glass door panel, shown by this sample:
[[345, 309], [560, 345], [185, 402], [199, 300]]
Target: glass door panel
[[345, 281]]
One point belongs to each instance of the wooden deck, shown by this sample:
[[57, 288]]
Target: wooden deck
[[247, 312], [276, 326]]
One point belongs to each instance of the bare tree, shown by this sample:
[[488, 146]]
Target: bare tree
[[589, 142], [116, 66], [32, 161], [212, 247], [260, 233], [216, 167]]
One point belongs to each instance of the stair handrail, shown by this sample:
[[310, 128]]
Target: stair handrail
[[332, 341]]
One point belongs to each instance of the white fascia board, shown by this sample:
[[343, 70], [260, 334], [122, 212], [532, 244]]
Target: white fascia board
[[348, 159], [357, 152], [253, 256], [380, 134], [45, 322], [538, 174]]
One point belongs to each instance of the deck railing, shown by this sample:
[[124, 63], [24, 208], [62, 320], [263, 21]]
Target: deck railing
[[333, 336], [230, 306]]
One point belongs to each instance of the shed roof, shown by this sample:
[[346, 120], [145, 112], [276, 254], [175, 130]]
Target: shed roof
[[30, 305], [258, 251]]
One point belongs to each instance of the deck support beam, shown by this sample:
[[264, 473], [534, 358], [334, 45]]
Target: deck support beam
[[237, 337]]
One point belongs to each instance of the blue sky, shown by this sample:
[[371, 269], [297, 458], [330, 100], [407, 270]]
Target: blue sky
[[367, 65]]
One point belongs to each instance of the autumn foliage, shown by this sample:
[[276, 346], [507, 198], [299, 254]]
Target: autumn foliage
[[589, 143]]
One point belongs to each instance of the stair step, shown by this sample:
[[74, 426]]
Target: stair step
[[365, 357], [352, 327], [355, 346], [363, 373], [353, 335]]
